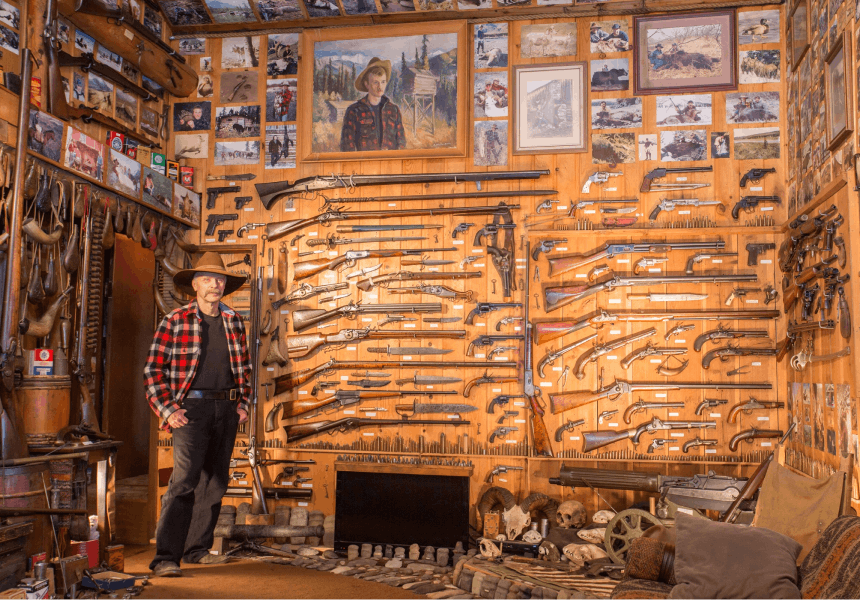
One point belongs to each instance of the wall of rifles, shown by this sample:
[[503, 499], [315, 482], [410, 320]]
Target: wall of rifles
[[811, 385]]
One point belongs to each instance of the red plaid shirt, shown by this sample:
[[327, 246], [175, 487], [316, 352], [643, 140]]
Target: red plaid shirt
[[175, 353]]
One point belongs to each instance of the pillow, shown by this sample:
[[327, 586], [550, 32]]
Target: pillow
[[650, 559], [720, 560]]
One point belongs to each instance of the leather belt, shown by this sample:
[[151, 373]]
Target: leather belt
[[212, 394]]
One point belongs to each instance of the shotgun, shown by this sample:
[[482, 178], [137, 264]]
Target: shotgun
[[270, 192], [299, 346], [302, 431], [279, 229], [344, 398], [540, 435], [302, 319], [309, 268], [365, 285], [570, 262], [290, 381]]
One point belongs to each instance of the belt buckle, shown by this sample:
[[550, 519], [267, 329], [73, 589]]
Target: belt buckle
[[234, 394]]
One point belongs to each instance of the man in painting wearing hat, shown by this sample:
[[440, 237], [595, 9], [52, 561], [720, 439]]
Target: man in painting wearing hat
[[597, 34], [198, 381], [373, 122]]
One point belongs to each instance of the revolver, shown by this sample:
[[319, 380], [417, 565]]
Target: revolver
[[491, 229], [706, 403], [501, 400], [569, 426], [657, 445], [598, 177], [214, 220], [488, 340], [248, 227], [502, 432], [507, 321], [755, 175], [485, 308], [739, 293], [500, 469], [546, 246], [461, 228]]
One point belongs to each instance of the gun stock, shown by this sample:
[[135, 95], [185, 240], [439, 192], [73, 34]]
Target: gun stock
[[541, 440], [591, 440], [552, 330], [309, 268], [299, 346], [303, 430], [291, 381], [564, 264], [570, 400], [302, 319], [557, 297], [279, 229]]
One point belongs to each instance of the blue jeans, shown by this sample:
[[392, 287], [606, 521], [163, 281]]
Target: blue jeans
[[201, 473]]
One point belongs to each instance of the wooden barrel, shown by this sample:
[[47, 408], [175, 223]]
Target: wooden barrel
[[45, 404]]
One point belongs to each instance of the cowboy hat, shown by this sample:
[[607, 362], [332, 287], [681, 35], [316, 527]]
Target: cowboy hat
[[374, 62], [210, 262]]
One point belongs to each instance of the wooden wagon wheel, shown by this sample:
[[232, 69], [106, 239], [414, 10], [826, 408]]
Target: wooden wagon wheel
[[625, 527]]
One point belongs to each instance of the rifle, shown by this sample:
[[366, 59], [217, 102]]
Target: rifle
[[332, 240], [279, 229], [748, 203], [487, 378], [725, 353], [751, 405], [309, 268], [723, 333], [559, 296], [440, 291], [290, 381], [365, 285], [302, 431], [485, 308], [551, 330], [86, 62], [540, 435], [668, 205], [299, 346], [482, 341], [568, 400], [302, 319], [425, 197], [599, 350], [305, 291], [591, 440], [552, 356], [344, 398], [270, 192], [570, 262], [258, 497], [641, 405], [648, 180]]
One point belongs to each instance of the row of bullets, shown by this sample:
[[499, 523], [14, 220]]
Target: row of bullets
[[405, 460], [749, 457], [578, 225], [760, 221], [702, 222]]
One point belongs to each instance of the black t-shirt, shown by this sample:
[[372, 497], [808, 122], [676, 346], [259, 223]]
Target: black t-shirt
[[213, 370]]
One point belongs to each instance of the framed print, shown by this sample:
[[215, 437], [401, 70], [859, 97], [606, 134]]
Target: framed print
[[399, 75], [685, 52], [837, 81], [549, 108], [84, 154], [799, 32]]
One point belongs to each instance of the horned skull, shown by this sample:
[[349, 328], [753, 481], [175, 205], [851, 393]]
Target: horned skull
[[579, 554], [516, 521], [571, 514]]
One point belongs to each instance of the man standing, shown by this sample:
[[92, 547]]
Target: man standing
[[479, 40], [198, 381], [373, 122], [493, 145]]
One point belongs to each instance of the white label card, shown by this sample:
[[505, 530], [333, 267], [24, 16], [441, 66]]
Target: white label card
[[458, 242], [659, 395]]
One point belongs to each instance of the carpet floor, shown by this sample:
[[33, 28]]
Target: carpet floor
[[252, 579]]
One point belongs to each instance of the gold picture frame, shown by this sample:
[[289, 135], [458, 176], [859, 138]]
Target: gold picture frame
[[839, 112]]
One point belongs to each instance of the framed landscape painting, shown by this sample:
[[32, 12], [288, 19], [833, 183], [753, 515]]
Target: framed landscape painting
[[549, 108], [694, 52], [392, 93], [839, 99]]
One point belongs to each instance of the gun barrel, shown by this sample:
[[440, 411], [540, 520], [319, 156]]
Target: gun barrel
[[582, 477]]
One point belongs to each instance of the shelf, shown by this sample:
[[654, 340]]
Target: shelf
[[375, 467], [825, 194], [673, 233]]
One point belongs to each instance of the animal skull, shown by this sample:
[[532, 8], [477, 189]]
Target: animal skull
[[489, 549], [602, 516], [579, 554], [570, 514], [549, 551], [516, 521], [595, 536], [532, 537]]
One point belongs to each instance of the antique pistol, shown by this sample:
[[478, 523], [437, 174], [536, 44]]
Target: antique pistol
[[648, 180], [461, 228], [309, 268], [709, 403], [751, 434], [668, 205], [755, 175], [502, 432], [501, 400], [700, 256], [748, 203], [552, 356], [546, 246], [598, 177], [485, 308], [754, 250], [695, 443], [500, 470], [482, 341], [724, 333], [641, 405], [591, 440], [724, 354], [750, 405], [568, 426]]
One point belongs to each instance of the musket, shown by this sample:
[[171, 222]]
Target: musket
[[484, 308], [486, 378], [724, 354], [649, 349], [559, 296], [602, 349], [369, 228], [551, 330], [654, 297], [751, 434], [365, 285], [309, 268], [279, 229], [290, 381], [552, 356], [750, 405], [331, 240], [569, 400], [302, 319], [305, 291], [440, 291], [568, 426], [570, 262], [709, 403], [343, 398], [724, 333], [482, 341], [421, 198], [299, 346], [411, 351], [540, 435], [304, 430], [641, 405], [591, 440], [270, 192]]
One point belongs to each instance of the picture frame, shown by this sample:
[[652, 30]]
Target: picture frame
[[800, 32], [838, 93], [550, 107], [695, 52], [426, 108]]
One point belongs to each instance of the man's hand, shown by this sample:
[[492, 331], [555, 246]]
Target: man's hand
[[177, 419], [243, 416]]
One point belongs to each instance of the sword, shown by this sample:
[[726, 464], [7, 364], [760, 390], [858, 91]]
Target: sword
[[398, 351], [423, 409], [427, 380], [668, 297]]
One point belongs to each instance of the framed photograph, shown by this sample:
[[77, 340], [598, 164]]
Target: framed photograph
[[194, 145], [405, 76], [123, 173], [683, 146], [694, 52], [491, 95], [837, 80], [799, 32], [283, 54], [280, 146], [613, 148], [759, 66], [237, 121], [281, 96], [279, 10], [548, 40], [490, 144], [756, 143], [692, 109], [237, 153], [610, 75], [157, 190], [45, 135], [238, 87], [491, 45], [758, 27], [186, 204], [616, 113], [84, 154], [549, 108]]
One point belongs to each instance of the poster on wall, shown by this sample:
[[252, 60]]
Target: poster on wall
[[490, 143], [548, 40], [84, 154], [45, 135], [191, 146], [491, 45], [237, 153], [407, 81], [280, 146], [186, 204], [236, 52], [157, 190], [281, 96], [123, 173], [758, 27], [283, 54]]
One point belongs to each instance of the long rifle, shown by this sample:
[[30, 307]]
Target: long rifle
[[304, 430], [258, 496], [570, 262], [299, 346], [302, 319], [344, 398], [290, 381], [540, 435], [270, 192], [279, 229], [309, 268], [365, 285], [422, 197]]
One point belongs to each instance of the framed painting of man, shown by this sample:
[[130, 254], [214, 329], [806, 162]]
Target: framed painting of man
[[390, 94]]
